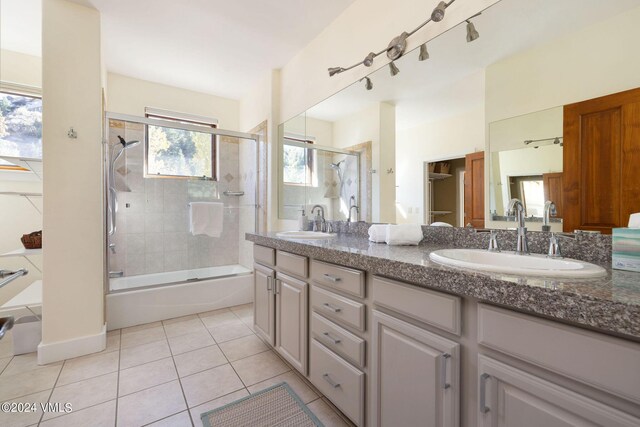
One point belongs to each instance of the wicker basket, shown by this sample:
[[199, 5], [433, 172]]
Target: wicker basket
[[32, 240]]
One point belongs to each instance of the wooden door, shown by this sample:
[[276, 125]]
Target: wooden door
[[600, 162], [264, 303], [291, 320], [414, 376], [552, 187], [474, 189], [514, 398]]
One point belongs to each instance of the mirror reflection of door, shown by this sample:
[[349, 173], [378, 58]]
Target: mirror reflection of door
[[529, 190]]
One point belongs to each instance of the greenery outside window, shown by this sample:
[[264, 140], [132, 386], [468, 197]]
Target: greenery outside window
[[20, 128], [298, 163], [178, 153]]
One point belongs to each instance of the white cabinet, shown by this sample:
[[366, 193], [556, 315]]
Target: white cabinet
[[415, 375], [264, 302], [291, 320], [509, 397]]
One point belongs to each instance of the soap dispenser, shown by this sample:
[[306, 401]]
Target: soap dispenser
[[302, 221]]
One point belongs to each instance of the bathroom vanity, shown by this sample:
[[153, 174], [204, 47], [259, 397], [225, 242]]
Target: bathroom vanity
[[393, 339]]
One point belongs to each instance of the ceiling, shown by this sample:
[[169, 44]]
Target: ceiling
[[452, 80], [218, 47]]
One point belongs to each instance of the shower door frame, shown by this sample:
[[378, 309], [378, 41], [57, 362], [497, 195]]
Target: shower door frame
[[173, 125]]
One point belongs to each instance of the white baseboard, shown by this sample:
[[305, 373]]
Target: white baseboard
[[61, 350]]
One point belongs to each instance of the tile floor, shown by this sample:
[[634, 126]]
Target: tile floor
[[158, 374]]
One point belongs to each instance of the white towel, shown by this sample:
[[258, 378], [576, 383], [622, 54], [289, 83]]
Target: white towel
[[404, 234], [206, 218], [378, 233]]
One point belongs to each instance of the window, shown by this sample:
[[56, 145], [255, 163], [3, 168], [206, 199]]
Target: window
[[298, 162], [20, 127], [175, 152]]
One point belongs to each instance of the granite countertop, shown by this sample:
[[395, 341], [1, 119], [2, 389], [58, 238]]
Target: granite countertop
[[610, 304]]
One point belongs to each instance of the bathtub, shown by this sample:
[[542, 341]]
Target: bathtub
[[151, 297]]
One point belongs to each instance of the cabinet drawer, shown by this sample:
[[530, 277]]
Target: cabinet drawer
[[341, 278], [264, 255], [604, 362], [338, 381], [338, 307], [433, 308], [338, 339], [294, 264]]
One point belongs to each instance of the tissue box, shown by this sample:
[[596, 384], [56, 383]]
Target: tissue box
[[626, 249]]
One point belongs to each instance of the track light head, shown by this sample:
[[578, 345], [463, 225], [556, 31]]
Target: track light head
[[367, 83], [438, 12], [424, 54], [335, 70], [472, 33], [556, 141], [393, 69], [368, 61]]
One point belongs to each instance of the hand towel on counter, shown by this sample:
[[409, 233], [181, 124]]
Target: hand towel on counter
[[378, 233], [206, 218], [404, 234]]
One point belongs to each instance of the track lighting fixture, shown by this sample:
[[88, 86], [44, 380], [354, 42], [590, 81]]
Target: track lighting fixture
[[335, 70], [368, 61], [438, 12], [424, 54], [393, 69], [367, 83], [397, 46], [472, 33], [556, 141]]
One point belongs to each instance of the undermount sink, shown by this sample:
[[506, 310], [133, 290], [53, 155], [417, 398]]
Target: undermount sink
[[304, 235], [512, 263]]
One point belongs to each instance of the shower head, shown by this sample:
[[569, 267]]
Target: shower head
[[336, 166], [127, 144]]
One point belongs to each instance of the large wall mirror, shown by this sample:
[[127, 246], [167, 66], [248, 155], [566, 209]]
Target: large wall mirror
[[452, 138]]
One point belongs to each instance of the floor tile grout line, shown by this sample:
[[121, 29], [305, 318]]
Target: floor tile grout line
[[175, 366], [8, 363], [227, 359], [53, 388], [115, 420]]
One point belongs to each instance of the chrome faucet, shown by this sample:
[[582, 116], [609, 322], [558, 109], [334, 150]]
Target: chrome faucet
[[515, 208], [323, 223], [554, 244], [352, 205], [549, 210]]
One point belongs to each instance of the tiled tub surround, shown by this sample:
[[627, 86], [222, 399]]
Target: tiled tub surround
[[152, 222], [610, 304]]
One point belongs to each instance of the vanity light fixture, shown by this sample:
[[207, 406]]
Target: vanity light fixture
[[397, 46], [393, 69], [556, 141], [424, 54]]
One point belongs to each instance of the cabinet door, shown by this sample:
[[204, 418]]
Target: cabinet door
[[509, 397], [264, 303], [474, 189], [291, 320], [414, 376]]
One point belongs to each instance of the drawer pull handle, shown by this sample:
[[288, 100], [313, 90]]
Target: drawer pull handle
[[483, 393], [269, 283], [332, 383], [335, 340], [331, 278], [443, 370], [332, 308]]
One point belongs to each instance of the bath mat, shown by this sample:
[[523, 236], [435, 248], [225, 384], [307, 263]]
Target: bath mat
[[273, 406]]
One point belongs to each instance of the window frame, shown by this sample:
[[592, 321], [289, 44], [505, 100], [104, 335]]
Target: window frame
[[310, 165], [176, 118], [27, 92]]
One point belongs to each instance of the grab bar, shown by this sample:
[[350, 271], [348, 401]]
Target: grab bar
[[10, 276], [233, 193]]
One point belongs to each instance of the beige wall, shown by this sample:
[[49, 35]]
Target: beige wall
[[447, 138], [19, 68], [130, 96], [73, 209], [364, 26]]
